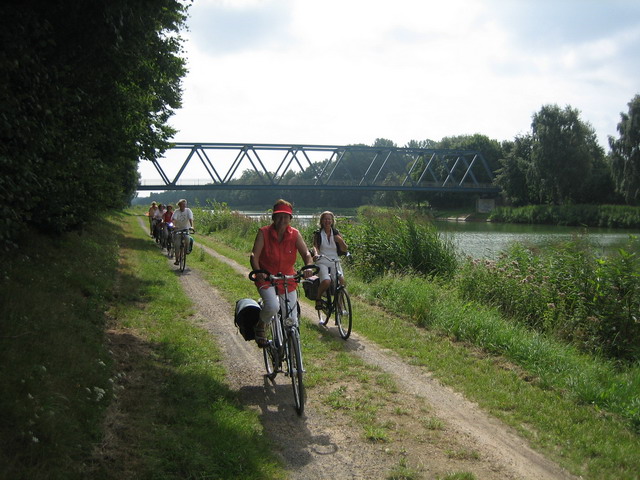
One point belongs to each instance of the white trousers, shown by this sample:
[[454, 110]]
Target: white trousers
[[271, 302]]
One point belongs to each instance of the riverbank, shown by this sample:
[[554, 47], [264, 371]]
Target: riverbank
[[603, 216]]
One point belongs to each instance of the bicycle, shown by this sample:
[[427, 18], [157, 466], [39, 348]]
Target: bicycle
[[169, 239], [339, 305], [283, 347], [182, 246]]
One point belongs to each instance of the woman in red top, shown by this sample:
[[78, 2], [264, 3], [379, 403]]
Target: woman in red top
[[274, 250]]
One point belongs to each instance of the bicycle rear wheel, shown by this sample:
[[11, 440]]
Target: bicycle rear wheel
[[343, 313], [295, 370]]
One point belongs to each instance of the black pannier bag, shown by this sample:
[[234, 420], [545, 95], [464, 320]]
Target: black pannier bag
[[310, 286], [246, 316]]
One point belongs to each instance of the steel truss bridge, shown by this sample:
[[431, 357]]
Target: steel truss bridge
[[235, 166]]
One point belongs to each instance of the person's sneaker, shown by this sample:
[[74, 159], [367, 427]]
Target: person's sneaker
[[176, 262], [261, 334]]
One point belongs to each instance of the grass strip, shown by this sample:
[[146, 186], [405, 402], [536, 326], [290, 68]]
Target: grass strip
[[196, 427], [583, 378], [54, 367], [153, 380]]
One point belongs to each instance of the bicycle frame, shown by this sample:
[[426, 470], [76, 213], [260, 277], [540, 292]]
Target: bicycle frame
[[340, 305], [284, 347], [335, 283]]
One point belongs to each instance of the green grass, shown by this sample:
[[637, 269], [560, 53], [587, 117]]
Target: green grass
[[175, 416], [542, 399], [585, 379], [402, 471], [458, 476], [580, 437], [197, 429], [54, 367]]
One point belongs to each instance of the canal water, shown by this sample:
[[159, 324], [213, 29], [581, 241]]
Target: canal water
[[487, 240]]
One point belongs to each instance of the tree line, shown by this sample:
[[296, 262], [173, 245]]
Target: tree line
[[86, 89]]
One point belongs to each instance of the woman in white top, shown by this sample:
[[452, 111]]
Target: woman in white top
[[151, 213], [328, 243]]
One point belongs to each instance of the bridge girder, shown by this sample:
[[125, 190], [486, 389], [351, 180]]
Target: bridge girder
[[352, 167]]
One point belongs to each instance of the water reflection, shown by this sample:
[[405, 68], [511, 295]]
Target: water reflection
[[299, 219], [487, 240]]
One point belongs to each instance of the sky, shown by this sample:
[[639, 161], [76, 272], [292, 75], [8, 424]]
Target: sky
[[338, 72]]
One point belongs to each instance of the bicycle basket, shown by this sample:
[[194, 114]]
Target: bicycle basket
[[246, 316], [310, 286]]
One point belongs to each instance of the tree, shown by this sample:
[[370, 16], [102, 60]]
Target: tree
[[564, 151], [514, 177], [491, 149], [625, 153], [88, 88]]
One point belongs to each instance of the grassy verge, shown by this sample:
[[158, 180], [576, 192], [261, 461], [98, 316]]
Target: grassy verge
[[146, 400], [538, 399], [195, 428], [584, 439], [54, 367]]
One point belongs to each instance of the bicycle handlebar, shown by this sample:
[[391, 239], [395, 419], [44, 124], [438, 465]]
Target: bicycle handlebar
[[272, 278], [332, 259], [190, 230]]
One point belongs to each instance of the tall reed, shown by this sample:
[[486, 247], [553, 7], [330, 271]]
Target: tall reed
[[397, 240], [566, 291]]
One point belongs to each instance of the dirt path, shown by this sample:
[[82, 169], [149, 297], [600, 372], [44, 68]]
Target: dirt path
[[324, 445]]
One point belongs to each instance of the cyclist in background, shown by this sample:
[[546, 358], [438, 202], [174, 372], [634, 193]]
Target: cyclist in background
[[274, 250], [182, 219], [328, 244], [151, 213], [157, 220], [166, 224], [166, 217]]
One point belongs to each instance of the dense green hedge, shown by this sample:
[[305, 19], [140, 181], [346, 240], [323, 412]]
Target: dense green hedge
[[86, 89]]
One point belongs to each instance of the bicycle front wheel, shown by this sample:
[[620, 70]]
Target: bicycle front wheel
[[270, 353], [183, 256], [343, 313], [325, 313], [296, 370]]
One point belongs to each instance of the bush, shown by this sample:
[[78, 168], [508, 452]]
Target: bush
[[566, 291], [397, 241]]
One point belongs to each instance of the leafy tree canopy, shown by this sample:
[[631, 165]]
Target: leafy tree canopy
[[86, 89], [625, 153]]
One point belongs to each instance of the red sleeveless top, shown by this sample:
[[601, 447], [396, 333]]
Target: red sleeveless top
[[279, 257]]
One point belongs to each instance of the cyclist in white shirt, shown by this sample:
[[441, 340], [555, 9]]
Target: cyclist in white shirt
[[182, 218], [327, 242]]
